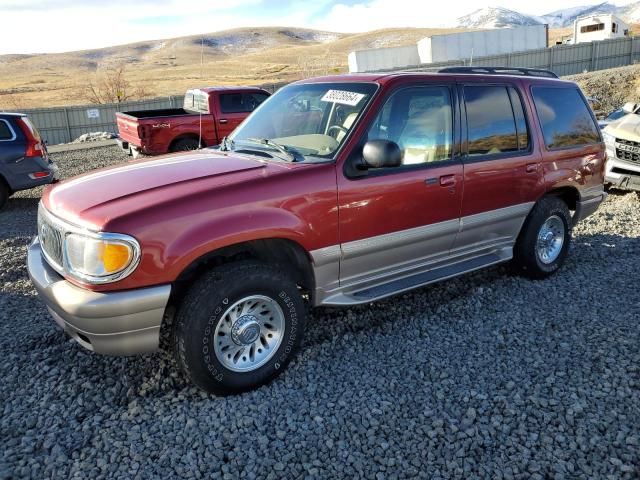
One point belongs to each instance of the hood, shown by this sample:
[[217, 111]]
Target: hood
[[627, 127], [93, 199]]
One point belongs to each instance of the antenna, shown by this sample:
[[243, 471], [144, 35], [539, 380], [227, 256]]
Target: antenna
[[201, 78]]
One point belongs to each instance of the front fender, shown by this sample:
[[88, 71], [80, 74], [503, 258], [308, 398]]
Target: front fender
[[232, 229]]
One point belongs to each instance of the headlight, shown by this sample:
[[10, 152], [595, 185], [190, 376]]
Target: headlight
[[100, 258], [609, 140]]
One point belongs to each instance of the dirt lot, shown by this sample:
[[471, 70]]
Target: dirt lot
[[485, 376]]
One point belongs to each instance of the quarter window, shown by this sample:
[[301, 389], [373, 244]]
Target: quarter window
[[420, 121], [493, 128], [565, 117], [5, 131]]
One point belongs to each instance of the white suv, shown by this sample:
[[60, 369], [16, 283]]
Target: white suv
[[622, 138]]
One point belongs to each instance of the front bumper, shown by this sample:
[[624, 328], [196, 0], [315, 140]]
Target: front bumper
[[622, 174], [115, 323]]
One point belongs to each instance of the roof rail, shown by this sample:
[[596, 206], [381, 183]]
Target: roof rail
[[528, 72]]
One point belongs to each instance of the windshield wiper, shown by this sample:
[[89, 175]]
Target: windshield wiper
[[293, 154], [226, 145]]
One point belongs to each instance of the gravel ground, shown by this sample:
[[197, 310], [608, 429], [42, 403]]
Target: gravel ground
[[486, 376]]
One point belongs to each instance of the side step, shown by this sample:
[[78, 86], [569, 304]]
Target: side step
[[431, 276]]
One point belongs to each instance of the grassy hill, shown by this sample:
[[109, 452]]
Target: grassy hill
[[162, 67], [170, 66]]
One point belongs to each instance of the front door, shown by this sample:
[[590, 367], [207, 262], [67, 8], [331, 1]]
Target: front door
[[396, 220]]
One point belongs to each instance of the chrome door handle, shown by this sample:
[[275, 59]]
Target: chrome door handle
[[531, 168], [447, 180], [223, 120]]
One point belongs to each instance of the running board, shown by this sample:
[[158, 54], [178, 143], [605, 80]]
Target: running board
[[404, 284]]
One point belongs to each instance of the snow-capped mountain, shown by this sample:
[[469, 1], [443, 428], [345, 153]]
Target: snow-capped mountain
[[496, 17], [630, 13], [566, 17]]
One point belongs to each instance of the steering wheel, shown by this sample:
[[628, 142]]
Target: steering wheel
[[339, 128]]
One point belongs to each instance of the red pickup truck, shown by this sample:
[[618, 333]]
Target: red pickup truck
[[337, 191], [209, 115]]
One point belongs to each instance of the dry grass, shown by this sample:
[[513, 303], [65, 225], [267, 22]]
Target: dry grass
[[164, 67]]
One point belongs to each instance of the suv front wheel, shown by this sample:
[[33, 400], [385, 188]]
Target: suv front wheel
[[238, 327], [543, 243]]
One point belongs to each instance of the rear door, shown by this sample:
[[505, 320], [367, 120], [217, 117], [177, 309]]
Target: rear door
[[394, 220], [502, 172], [234, 107]]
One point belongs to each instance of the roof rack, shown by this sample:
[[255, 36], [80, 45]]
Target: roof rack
[[528, 72]]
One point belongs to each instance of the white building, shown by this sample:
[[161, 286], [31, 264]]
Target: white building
[[598, 27], [453, 46]]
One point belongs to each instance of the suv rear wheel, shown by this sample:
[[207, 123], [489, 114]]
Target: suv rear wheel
[[238, 327], [543, 243]]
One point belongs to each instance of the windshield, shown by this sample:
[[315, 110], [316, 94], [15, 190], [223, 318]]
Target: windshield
[[306, 121], [616, 114]]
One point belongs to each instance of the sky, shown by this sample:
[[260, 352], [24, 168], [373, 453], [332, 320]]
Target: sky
[[37, 26]]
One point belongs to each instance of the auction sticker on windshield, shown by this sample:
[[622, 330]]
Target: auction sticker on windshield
[[343, 97]]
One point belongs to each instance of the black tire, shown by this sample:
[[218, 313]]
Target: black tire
[[203, 309], [4, 193], [525, 255], [184, 144]]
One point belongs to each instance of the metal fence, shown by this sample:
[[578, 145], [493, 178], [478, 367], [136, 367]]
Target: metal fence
[[561, 59], [64, 124]]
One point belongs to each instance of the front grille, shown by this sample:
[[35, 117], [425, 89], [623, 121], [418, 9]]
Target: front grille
[[51, 239], [623, 152]]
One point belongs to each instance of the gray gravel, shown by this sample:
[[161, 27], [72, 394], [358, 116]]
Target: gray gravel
[[486, 376]]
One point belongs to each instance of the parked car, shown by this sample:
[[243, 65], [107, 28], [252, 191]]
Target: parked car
[[24, 161], [338, 191], [622, 138], [611, 117], [209, 115]]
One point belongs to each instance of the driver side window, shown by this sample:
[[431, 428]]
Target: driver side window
[[420, 121]]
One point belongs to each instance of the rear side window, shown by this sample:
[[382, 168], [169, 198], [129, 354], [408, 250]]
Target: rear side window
[[241, 102], [494, 125], [5, 131], [565, 117]]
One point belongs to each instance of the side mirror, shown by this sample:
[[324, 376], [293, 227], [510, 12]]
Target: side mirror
[[381, 154], [629, 107]]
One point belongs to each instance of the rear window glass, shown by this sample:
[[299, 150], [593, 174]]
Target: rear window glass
[[5, 131], [241, 102], [565, 117]]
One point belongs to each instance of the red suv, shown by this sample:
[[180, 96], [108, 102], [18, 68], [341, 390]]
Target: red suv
[[336, 191]]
